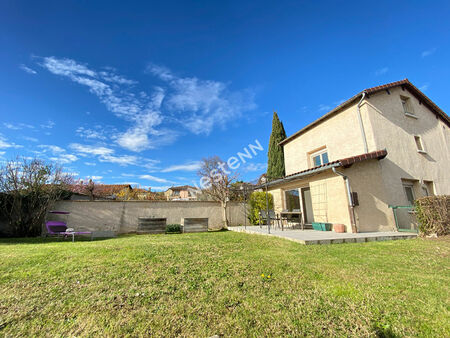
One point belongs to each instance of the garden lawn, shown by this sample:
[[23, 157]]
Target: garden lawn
[[223, 283]]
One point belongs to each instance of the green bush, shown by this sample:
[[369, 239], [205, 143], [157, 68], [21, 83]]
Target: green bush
[[433, 215], [173, 228], [258, 203]]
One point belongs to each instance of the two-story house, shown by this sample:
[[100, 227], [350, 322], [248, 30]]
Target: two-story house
[[384, 147], [180, 193]]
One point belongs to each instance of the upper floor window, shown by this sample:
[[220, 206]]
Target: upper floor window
[[419, 144], [406, 104], [319, 158]]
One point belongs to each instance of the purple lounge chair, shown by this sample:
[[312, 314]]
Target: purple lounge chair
[[57, 228]]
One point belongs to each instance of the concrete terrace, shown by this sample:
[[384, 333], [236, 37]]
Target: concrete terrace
[[308, 237]]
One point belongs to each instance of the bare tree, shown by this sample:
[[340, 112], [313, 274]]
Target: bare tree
[[216, 181], [27, 189]]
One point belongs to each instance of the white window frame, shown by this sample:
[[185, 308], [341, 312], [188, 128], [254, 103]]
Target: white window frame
[[420, 146], [318, 153]]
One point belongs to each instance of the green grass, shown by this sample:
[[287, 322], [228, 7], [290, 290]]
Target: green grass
[[210, 283]]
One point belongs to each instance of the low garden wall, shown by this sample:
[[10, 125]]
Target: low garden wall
[[122, 216]]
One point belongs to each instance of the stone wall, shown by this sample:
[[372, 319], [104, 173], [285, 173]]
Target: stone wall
[[122, 216]]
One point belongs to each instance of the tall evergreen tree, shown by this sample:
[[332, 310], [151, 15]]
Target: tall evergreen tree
[[275, 155]]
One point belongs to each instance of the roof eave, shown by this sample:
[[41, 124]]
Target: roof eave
[[321, 119]]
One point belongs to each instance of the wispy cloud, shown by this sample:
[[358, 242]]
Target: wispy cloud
[[48, 125], [51, 148], [154, 179], [424, 87], [201, 105], [105, 154], [324, 107], [195, 104], [142, 112], [56, 153], [256, 167], [17, 126], [4, 143], [29, 138], [190, 166], [95, 178], [89, 133], [428, 52], [27, 69], [381, 71]]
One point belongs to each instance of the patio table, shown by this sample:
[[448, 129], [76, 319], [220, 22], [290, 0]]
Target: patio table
[[286, 215]]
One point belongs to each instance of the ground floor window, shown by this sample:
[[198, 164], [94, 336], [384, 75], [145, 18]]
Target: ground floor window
[[409, 191], [292, 198]]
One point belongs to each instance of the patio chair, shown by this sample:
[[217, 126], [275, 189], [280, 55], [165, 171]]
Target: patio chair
[[275, 218], [262, 216], [57, 228]]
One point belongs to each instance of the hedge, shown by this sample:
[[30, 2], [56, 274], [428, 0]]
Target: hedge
[[433, 215]]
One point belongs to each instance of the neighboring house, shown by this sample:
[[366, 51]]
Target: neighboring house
[[180, 193], [390, 142]]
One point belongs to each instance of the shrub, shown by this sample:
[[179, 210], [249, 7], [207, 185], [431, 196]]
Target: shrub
[[258, 203], [173, 228], [27, 190], [433, 215]]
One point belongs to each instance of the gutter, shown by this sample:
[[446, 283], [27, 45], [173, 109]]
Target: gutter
[[361, 126], [350, 199]]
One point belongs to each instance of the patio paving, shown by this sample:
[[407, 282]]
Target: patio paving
[[325, 237]]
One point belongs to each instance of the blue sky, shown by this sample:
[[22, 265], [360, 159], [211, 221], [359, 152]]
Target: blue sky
[[139, 92]]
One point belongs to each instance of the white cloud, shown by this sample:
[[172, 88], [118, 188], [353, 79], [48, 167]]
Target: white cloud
[[27, 69], [51, 148], [428, 52], [4, 144], [381, 71], [105, 154], [95, 178], [64, 158], [424, 87], [17, 126], [256, 167], [200, 105], [31, 139], [59, 154], [191, 166], [90, 133], [324, 107], [114, 78], [92, 164], [142, 112], [48, 125], [154, 178], [92, 150], [122, 160]]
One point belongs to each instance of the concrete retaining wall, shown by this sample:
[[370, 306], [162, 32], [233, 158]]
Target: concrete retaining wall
[[122, 216]]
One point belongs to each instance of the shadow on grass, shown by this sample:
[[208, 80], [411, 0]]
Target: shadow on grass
[[46, 240]]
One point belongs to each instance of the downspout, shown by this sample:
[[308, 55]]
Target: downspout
[[350, 199], [361, 126]]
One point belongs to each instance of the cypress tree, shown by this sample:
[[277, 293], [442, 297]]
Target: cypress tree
[[275, 155]]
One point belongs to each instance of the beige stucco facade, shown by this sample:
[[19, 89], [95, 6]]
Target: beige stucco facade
[[378, 183]]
